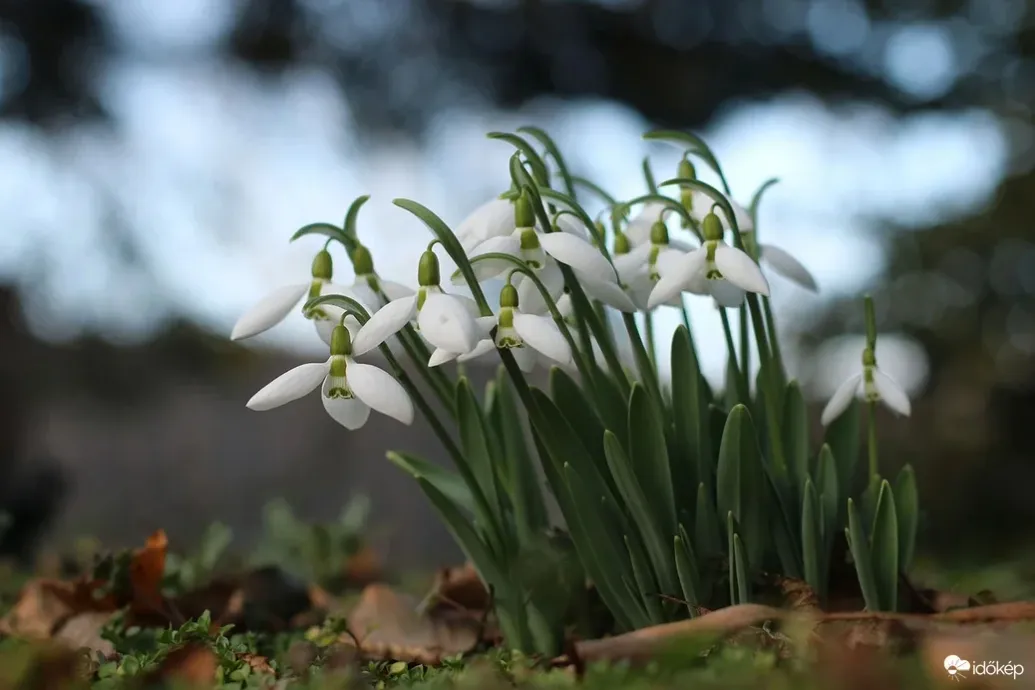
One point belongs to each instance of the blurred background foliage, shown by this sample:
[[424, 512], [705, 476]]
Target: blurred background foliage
[[957, 278]]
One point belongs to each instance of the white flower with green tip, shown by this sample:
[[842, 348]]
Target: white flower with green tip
[[717, 269], [276, 306], [368, 286], [779, 260], [443, 320], [349, 390], [543, 252], [870, 385], [641, 266], [531, 338]]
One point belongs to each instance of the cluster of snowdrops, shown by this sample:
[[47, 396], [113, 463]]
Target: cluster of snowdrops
[[657, 481]]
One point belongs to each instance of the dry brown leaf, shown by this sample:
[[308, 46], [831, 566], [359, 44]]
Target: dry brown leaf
[[363, 568], [146, 571], [386, 625], [459, 588], [83, 630], [193, 664], [43, 606], [259, 664]]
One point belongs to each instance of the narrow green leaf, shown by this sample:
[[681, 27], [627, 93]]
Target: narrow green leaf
[[744, 568], [530, 513], [688, 414], [812, 541], [606, 542], [739, 481], [907, 510], [645, 584], [843, 438], [731, 551], [796, 433], [611, 593], [349, 226], [460, 527], [689, 574], [642, 511], [859, 544], [551, 148], [829, 495], [757, 198], [326, 230], [884, 548], [447, 482], [579, 410], [707, 531], [542, 175], [649, 457], [475, 444]]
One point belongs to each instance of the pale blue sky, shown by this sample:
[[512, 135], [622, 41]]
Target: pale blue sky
[[215, 170]]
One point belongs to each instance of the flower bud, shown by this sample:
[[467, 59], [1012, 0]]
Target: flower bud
[[427, 269], [508, 296], [362, 261], [686, 170], [622, 245], [712, 228], [323, 266], [523, 214], [659, 233], [341, 341]]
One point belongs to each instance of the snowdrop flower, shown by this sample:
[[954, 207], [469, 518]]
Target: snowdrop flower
[[715, 269], [871, 385], [275, 307], [641, 267], [349, 390], [779, 260], [531, 338], [446, 321], [542, 252], [368, 286]]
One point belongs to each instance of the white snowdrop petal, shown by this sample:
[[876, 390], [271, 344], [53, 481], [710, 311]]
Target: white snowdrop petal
[[607, 292], [485, 324], [891, 394], [572, 225], [271, 310], [470, 305], [447, 322], [378, 389], [525, 357], [738, 268], [483, 347], [324, 328], [395, 290], [366, 295], [386, 322], [632, 263], [682, 246], [785, 264], [530, 300], [491, 219], [440, 357], [668, 260], [289, 386], [351, 413], [841, 399], [676, 279], [487, 269], [577, 253], [542, 334], [726, 294], [743, 217]]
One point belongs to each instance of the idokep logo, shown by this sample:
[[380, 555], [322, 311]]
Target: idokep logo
[[960, 668]]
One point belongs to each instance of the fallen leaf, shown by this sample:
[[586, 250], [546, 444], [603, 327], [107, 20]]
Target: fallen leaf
[[193, 664], [362, 568], [386, 625], [44, 605], [259, 664], [146, 570], [83, 631], [459, 588]]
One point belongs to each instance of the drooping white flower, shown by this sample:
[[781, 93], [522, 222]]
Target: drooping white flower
[[276, 306], [446, 321], [531, 338], [368, 286], [349, 390], [641, 267], [779, 260], [543, 251], [715, 269], [871, 385]]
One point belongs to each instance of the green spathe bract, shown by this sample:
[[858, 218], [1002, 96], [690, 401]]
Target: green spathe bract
[[672, 496]]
